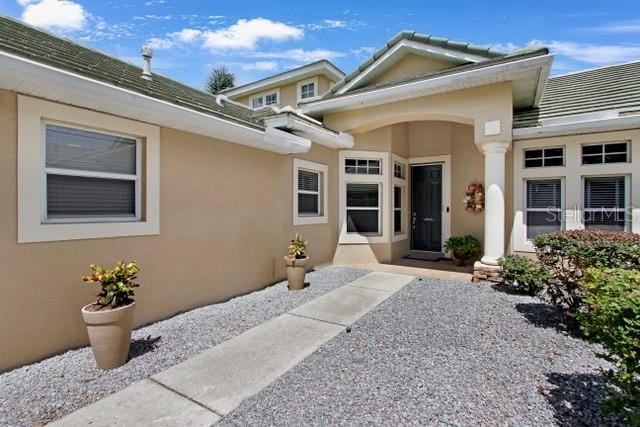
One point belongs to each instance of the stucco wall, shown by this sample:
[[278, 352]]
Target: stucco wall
[[226, 219], [410, 66]]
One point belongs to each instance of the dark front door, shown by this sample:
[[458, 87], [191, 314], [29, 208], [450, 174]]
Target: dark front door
[[426, 208]]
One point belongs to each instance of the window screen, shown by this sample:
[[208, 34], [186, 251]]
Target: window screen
[[605, 203], [543, 206]]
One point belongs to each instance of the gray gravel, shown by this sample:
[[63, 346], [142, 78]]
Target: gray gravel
[[441, 353], [47, 390]]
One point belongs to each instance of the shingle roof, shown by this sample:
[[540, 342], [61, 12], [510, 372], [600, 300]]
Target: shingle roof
[[41, 46], [513, 56], [615, 87], [464, 47]]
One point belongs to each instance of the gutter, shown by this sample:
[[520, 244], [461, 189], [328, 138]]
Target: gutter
[[305, 128], [429, 86], [578, 127], [33, 78]]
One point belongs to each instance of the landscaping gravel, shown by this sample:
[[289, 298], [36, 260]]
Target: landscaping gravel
[[54, 387], [441, 353]]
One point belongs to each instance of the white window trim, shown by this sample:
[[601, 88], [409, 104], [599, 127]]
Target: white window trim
[[301, 83], [263, 95], [81, 173], [402, 183], [572, 174], [525, 209], [627, 196], [32, 113], [445, 161], [324, 199], [605, 143], [384, 196], [564, 157]]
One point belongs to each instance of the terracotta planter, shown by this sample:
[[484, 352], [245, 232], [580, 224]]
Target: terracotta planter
[[109, 334], [295, 272]]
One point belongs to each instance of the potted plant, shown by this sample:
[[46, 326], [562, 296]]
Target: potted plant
[[110, 318], [296, 261], [463, 248]]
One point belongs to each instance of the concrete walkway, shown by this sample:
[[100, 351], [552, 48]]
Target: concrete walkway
[[209, 386]]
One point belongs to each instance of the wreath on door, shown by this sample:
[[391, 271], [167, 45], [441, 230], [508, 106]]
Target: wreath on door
[[474, 198]]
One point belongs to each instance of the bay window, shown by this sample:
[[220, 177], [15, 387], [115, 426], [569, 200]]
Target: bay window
[[363, 208]]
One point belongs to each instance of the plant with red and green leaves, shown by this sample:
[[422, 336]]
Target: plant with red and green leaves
[[116, 285]]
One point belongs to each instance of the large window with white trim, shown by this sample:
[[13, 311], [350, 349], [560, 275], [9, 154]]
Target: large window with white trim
[[309, 192], [543, 206], [363, 208], [605, 203], [90, 175]]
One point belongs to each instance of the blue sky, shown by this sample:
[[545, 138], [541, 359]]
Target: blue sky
[[258, 38]]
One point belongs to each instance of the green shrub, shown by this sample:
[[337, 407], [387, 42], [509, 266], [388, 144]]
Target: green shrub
[[463, 248], [116, 285], [298, 247], [567, 254], [611, 316], [523, 274]]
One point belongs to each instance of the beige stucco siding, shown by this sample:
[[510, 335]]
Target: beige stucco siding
[[225, 221], [410, 66]]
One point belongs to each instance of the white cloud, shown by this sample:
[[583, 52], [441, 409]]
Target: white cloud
[[299, 55], [363, 52], [55, 14], [326, 24], [246, 34], [598, 54], [157, 43], [617, 27], [260, 66], [187, 35]]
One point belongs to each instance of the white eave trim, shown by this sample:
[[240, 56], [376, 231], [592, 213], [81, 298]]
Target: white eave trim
[[578, 127], [315, 133], [36, 79], [324, 68], [497, 73], [410, 46]]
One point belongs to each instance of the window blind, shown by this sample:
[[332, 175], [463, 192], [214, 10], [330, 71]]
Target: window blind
[[604, 192], [307, 180]]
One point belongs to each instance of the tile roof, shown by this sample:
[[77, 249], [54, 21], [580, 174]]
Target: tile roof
[[615, 87], [464, 47], [40, 46]]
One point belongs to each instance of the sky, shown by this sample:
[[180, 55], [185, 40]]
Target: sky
[[256, 39]]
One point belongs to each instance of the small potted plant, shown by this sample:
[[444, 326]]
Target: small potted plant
[[109, 320], [296, 261], [463, 248]]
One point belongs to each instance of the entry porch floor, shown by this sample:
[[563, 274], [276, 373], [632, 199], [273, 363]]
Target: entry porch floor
[[382, 349]]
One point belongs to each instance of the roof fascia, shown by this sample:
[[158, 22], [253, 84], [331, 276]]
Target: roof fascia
[[578, 127], [424, 87], [410, 46], [36, 79]]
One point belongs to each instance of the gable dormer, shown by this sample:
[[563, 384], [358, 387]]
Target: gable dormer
[[409, 55]]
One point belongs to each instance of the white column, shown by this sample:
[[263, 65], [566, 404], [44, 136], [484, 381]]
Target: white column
[[494, 172]]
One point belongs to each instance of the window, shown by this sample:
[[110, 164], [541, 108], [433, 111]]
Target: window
[[309, 192], [544, 157], [543, 206], [362, 166], [90, 175], [363, 209], [610, 152], [605, 203], [266, 99], [397, 209], [78, 182], [271, 99], [398, 170], [308, 90]]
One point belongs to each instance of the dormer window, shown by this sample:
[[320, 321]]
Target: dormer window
[[307, 89], [265, 99]]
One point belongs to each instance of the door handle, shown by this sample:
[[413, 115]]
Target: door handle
[[427, 219]]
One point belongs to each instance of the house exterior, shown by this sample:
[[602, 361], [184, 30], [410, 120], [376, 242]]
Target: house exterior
[[101, 162], [300, 84]]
